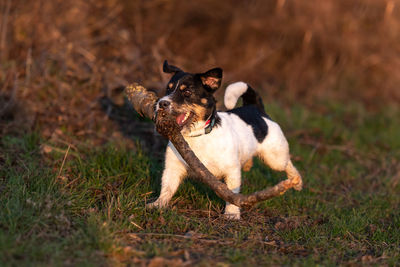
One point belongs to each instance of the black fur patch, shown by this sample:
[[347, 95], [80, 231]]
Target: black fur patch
[[251, 115]]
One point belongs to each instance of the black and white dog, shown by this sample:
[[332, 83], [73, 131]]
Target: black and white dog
[[223, 141]]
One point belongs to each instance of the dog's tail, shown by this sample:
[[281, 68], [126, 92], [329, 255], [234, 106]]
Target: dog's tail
[[241, 89]]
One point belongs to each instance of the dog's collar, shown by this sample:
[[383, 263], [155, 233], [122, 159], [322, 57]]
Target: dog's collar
[[208, 126]]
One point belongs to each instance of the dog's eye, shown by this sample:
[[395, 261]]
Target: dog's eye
[[187, 93]]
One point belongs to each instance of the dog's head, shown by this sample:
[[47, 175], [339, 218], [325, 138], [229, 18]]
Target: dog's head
[[189, 97]]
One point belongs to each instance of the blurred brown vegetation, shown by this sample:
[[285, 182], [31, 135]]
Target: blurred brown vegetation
[[59, 57]]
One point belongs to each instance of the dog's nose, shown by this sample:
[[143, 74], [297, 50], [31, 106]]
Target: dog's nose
[[164, 104]]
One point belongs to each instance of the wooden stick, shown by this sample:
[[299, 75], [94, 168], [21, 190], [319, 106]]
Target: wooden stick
[[144, 103]]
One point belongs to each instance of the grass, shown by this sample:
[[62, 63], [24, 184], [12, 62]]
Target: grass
[[89, 209]]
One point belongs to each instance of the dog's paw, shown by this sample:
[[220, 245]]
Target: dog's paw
[[299, 185], [232, 216], [232, 212], [156, 205]]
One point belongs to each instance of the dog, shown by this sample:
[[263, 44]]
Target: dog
[[225, 142]]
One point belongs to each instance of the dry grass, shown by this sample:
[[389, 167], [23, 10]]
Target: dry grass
[[68, 53]]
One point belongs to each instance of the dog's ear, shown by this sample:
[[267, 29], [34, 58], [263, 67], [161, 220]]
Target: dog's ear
[[212, 78], [170, 68]]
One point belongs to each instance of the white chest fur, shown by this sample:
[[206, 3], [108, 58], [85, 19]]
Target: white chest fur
[[227, 147]]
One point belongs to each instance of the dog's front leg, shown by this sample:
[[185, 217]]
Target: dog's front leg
[[233, 181], [173, 174]]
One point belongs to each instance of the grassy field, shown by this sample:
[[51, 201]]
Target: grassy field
[[63, 204]]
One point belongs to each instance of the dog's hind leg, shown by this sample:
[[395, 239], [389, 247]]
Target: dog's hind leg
[[280, 161], [274, 151], [175, 170], [294, 176], [233, 182]]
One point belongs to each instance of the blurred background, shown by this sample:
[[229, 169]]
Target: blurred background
[[61, 61]]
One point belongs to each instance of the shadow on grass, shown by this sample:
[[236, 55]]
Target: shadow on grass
[[131, 124]]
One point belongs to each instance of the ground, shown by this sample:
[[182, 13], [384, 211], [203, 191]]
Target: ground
[[67, 202]]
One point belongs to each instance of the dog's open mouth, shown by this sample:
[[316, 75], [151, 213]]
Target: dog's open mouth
[[183, 118]]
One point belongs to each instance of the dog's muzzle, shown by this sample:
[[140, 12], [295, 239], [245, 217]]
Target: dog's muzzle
[[164, 104]]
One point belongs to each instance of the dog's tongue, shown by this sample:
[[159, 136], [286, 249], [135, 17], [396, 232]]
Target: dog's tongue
[[180, 119]]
